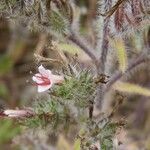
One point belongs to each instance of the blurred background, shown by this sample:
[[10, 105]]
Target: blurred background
[[18, 64]]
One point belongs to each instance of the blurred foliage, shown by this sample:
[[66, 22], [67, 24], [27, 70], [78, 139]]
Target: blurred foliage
[[8, 130], [3, 90], [6, 64]]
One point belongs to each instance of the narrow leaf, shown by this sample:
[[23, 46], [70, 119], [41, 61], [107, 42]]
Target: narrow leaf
[[57, 22], [73, 49], [131, 88], [118, 44]]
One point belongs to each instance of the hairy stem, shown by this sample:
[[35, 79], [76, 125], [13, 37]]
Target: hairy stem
[[103, 56], [104, 47], [105, 42]]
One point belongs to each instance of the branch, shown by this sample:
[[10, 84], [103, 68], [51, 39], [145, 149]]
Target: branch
[[75, 38], [118, 75]]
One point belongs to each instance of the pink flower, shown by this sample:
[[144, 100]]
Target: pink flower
[[17, 113], [45, 79]]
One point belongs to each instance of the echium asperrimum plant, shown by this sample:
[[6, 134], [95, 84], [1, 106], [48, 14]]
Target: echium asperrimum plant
[[78, 102]]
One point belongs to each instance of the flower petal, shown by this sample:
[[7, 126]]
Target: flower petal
[[44, 72], [44, 88], [36, 79], [13, 115]]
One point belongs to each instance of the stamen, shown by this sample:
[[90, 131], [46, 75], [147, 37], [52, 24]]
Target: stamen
[[45, 80], [44, 83]]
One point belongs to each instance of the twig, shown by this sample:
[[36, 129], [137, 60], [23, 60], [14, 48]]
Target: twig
[[118, 75], [75, 38]]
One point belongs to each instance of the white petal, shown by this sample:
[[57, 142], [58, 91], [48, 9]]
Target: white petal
[[57, 79], [44, 72], [36, 79], [44, 88], [13, 115], [9, 111], [38, 75]]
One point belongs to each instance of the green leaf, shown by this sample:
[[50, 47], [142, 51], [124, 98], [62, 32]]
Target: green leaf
[[58, 23]]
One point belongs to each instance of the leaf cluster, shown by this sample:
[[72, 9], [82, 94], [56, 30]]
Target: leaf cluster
[[38, 15], [78, 89]]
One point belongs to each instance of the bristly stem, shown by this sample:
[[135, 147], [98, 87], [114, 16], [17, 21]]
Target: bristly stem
[[118, 75], [104, 48]]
